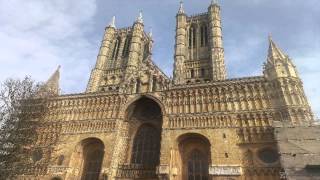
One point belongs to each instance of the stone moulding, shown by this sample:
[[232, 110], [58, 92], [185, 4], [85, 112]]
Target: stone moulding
[[219, 170]]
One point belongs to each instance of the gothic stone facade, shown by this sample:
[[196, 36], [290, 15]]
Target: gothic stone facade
[[133, 122]]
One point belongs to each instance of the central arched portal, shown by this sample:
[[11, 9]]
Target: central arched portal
[[145, 124]]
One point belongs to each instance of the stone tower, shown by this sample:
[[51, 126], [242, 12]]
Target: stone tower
[[122, 54], [199, 53]]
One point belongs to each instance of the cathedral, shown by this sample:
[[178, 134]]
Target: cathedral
[[135, 122]]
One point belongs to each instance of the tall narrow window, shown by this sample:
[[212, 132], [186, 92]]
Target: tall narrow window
[[190, 37], [202, 36], [203, 72], [125, 47], [154, 83], [194, 35], [197, 166], [146, 147], [116, 48], [138, 84], [192, 73], [128, 46], [205, 35]]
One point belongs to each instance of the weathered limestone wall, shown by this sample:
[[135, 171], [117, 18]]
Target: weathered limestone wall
[[300, 151]]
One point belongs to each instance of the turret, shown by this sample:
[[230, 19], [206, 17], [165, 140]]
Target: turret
[[287, 87], [216, 45], [180, 46], [105, 45], [102, 59], [135, 51], [278, 64]]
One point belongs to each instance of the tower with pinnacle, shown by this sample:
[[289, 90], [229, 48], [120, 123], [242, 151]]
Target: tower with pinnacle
[[199, 52], [123, 53]]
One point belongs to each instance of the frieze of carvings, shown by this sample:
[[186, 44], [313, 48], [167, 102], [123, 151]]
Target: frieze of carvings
[[57, 170], [92, 126], [262, 171], [233, 97], [82, 100], [255, 119], [255, 135], [101, 111], [135, 171], [217, 121], [221, 120]]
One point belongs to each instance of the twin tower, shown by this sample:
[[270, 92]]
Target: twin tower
[[124, 61]]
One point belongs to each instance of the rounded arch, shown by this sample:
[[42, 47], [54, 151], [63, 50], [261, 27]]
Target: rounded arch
[[193, 135], [87, 140], [88, 157], [195, 156]]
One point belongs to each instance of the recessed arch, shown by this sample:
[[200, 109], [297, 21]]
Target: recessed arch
[[88, 157], [93, 152], [195, 156], [143, 115]]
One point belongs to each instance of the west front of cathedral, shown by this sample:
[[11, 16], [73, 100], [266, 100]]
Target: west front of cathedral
[[134, 122]]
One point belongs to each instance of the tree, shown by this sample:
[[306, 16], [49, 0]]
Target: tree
[[16, 128]]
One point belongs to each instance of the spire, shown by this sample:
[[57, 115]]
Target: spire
[[214, 2], [274, 51], [140, 18], [278, 64], [113, 22], [51, 86], [181, 10]]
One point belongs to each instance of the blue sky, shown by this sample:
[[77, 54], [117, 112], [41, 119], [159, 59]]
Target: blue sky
[[37, 36]]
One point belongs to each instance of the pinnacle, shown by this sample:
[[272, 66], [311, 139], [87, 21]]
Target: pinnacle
[[150, 33], [214, 2], [113, 22], [181, 10], [274, 51], [52, 84], [140, 18]]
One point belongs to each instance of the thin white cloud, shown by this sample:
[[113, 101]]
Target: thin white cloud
[[37, 36]]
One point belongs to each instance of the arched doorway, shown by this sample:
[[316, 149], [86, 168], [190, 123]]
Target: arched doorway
[[92, 151], [145, 122], [195, 158]]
